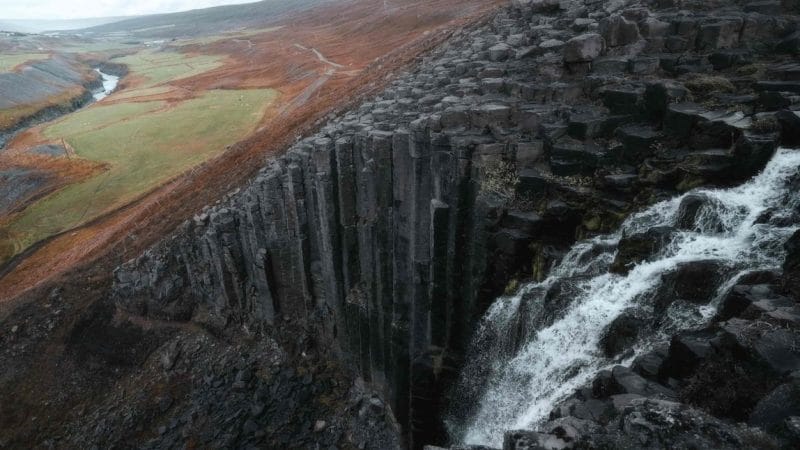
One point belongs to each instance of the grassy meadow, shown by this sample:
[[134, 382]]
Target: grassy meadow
[[142, 143], [141, 151], [162, 66]]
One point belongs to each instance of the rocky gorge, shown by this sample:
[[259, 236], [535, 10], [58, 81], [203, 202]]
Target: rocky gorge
[[520, 149]]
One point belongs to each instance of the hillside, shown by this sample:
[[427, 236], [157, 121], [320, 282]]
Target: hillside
[[80, 213], [43, 26], [207, 21]]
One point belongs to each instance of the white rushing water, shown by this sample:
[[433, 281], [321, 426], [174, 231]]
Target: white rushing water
[[109, 84], [523, 360]]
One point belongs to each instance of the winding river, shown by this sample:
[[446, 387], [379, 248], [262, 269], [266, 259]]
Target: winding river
[[109, 84]]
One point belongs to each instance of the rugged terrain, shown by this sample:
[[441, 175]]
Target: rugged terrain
[[379, 241], [96, 197]]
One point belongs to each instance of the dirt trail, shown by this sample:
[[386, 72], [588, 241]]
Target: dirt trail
[[320, 56], [371, 45]]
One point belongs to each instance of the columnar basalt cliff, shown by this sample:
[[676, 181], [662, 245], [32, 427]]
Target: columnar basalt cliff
[[386, 235]]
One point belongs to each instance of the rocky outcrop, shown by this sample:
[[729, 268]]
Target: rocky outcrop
[[741, 368], [387, 234], [43, 90]]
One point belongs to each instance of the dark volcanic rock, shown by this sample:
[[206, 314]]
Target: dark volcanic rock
[[791, 266], [621, 333], [775, 408], [695, 282], [583, 48], [699, 212], [385, 236], [640, 247]]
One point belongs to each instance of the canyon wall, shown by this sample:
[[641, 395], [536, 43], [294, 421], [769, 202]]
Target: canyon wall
[[385, 236]]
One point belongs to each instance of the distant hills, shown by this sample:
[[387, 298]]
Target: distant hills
[[186, 23], [40, 26], [204, 21]]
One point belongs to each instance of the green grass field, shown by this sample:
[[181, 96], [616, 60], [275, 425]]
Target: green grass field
[[8, 62], [98, 117], [144, 146], [162, 66], [137, 93], [104, 46]]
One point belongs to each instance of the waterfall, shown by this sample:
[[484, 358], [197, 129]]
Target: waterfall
[[535, 348]]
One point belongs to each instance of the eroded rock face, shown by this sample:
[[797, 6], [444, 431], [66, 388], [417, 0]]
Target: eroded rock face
[[791, 267], [388, 232], [583, 48]]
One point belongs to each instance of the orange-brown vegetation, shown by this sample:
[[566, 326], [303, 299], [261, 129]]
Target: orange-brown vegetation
[[366, 43]]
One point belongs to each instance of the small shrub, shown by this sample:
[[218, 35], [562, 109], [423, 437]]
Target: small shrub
[[748, 70], [705, 84], [500, 178], [511, 287], [766, 124]]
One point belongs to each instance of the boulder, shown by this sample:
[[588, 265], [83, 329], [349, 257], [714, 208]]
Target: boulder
[[571, 157], [619, 31], [586, 124], [624, 381], [686, 352], [659, 95], [649, 364], [713, 165], [790, 126], [719, 35], [719, 129], [790, 44], [694, 282], [769, 348], [725, 59], [640, 247], [791, 265], [644, 65], [610, 65], [658, 424], [621, 334], [500, 52], [529, 153], [774, 101], [776, 407], [740, 298], [550, 45], [583, 48], [638, 142], [751, 154], [699, 212], [628, 100], [680, 119], [531, 440]]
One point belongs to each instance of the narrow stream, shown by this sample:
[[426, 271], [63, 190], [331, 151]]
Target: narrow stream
[[109, 84]]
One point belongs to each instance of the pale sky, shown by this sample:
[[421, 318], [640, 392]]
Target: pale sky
[[80, 9]]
